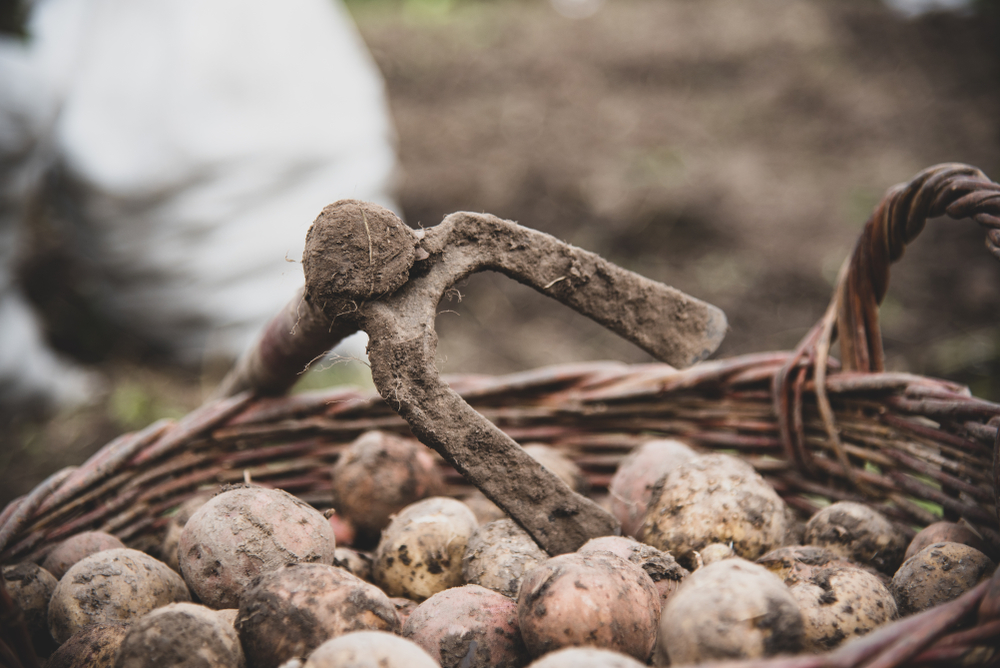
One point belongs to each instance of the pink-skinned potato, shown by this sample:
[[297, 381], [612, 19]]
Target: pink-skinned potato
[[597, 599], [632, 485], [468, 626], [661, 568], [944, 532], [245, 532], [75, 548], [378, 475]]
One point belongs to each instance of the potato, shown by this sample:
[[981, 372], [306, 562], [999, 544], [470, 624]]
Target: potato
[[468, 626], [944, 532], [404, 608], [939, 573], [859, 533], [289, 612], [661, 568], [94, 646], [378, 475], [715, 552], [798, 563], [795, 528], [181, 635], [31, 587], [498, 555], [421, 550], [369, 649], [485, 510], [732, 609], [841, 603], [75, 548], [112, 586], [172, 534], [244, 532], [559, 464], [714, 499], [354, 562], [228, 615], [632, 485], [585, 657], [594, 599]]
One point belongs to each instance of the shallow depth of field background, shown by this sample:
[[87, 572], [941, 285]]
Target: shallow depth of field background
[[731, 149]]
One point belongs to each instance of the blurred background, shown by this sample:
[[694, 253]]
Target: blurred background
[[731, 149]]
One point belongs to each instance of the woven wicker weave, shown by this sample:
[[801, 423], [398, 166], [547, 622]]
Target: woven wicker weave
[[816, 429]]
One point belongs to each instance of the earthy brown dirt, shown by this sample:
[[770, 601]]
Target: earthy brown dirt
[[732, 150]]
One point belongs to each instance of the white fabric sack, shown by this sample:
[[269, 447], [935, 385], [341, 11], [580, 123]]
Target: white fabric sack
[[200, 139]]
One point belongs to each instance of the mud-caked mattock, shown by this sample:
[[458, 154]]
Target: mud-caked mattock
[[366, 270]]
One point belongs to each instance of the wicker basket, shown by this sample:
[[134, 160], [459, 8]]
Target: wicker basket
[[816, 429]]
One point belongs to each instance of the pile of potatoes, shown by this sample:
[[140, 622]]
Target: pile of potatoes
[[713, 566]]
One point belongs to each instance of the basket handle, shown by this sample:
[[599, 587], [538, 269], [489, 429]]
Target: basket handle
[[952, 189]]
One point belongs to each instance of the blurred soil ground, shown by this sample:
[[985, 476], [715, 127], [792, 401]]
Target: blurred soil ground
[[733, 150]]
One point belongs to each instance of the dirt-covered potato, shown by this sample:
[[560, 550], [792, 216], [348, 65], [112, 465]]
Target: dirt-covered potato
[[378, 475], [421, 550], [369, 649], [733, 609], [468, 627], [937, 574], [585, 657], [404, 608], [498, 555], [31, 587], [289, 612], [112, 586], [244, 532], [594, 599], [715, 552], [354, 561], [944, 532], [714, 498], [798, 563], [633, 482], [485, 510], [75, 548], [175, 527], [93, 646], [795, 528], [228, 616], [661, 568], [559, 464], [181, 635], [859, 533], [841, 603]]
